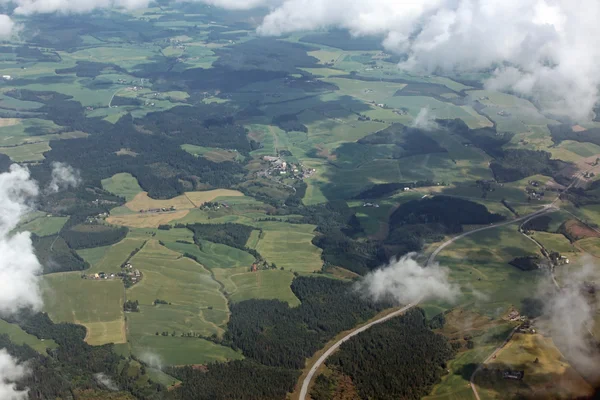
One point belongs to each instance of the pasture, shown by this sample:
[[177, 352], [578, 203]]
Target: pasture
[[123, 184], [547, 372], [214, 255], [147, 220], [289, 246], [555, 242], [590, 245], [177, 350], [112, 256], [196, 302], [487, 334], [44, 225], [479, 264], [95, 304], [26, 152], [270, 284], [19, 337], [185, 201], [212, 154]]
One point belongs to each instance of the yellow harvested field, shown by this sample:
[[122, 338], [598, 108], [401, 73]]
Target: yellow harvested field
[[99, 333], [147, 220], [551, 376], [142, 202], [186, 201], [199, 198], [9, 122]]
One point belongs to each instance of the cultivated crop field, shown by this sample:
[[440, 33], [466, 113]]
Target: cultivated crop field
[[551, 375], [20, 337], [196, 302], [124, 185], [289, 246], [97, 305]]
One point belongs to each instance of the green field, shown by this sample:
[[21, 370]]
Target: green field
[[455, 385], [123, 185], [211, 153], [112, 257], [214, 255], [19, 336], [289, 246], [555, 242], [26, 152], [590, 245], [271, 284], [479, 264], [197, 305], [95, 304], [44, 225]]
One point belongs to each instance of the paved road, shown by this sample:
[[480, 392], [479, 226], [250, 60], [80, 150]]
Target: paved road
[[548, 208], [471, 381], [321, 360], [431, 259]]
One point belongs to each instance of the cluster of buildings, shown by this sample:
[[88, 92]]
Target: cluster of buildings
[[97, 218], [127, 271], [158, 210], [278, 166]]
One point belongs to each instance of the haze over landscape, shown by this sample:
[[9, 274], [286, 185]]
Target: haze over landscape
[[299, 199]]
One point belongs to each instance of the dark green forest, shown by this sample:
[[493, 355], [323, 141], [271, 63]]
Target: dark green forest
[[398, 359]]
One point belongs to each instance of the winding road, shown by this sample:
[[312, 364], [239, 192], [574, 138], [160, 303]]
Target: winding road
[[306, 383], [321, 360], [548, 208]]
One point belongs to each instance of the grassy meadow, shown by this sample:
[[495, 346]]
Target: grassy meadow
[[97, 305]]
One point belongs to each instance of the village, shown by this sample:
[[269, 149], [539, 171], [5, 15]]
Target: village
[[128, 275], [279, 168]]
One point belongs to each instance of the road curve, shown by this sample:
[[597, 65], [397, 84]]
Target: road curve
[[321, 360], [430, 260]]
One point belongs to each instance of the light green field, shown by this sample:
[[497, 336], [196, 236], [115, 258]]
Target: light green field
[[182, 350], [480, 263], [289, 246], [18, 134], [211, 153], [590, 245], [197, 305], [123, 184], [589, 214], [270, 284], [93, 255], [26, 152], [97, 305], [44, 226], [214, 255], [20, 337], [555, 242], [454, 386], [113, 256]]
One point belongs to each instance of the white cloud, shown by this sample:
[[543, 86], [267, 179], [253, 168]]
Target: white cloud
[[151, 359], [405, 281], [105, 381], [63, 177], [545, 49], [27, 7], [19, 266], [569, 316], [10, 373], [7, 26], [425, 120]]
